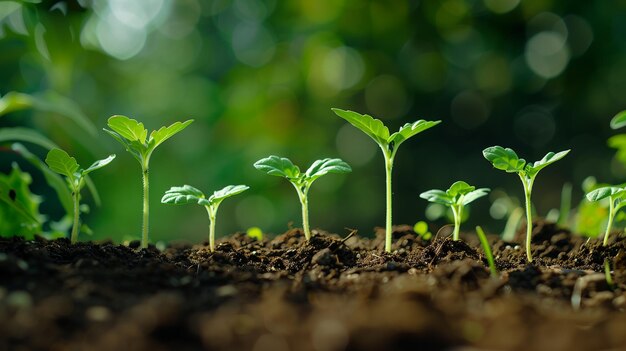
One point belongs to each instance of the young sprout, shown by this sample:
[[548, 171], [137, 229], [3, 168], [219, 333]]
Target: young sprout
[[134, 137], [187, 194], [485, 244], [507, 160], [60, 162], [616, 196], [389, 144], [283, 167], [459, 195]]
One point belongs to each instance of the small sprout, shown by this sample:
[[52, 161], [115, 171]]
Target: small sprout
[[507, 160], [457, 197], [283, 167], [60, 162], [421, 229], [187, 194], [255, 233], [616, 196], [485, 244], [389, 144], [619, 120], [134, 137]]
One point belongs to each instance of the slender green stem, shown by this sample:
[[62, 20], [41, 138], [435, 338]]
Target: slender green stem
[[212, 216], [146, 207], [485, 244], [75, 226], [457, 211], [605, 242], [388, 169], [528, 187], [303, 190]]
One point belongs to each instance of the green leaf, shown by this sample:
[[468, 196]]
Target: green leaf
[[504, 159], [227, 191], [128, 128], [278, 166], [325, 166], [99, 164], [62, 163], [548, 159], [186, 194], [15, 101], [605, 192], [409, 130], [133, 147], [438, 197], [26, 135], [459, 188], [619, 120], [474, 195], [159, 136], [373, 127], [19, 208]]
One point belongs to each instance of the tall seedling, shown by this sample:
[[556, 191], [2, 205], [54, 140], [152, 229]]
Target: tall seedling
[[388, 144], [60, 162], [507, 160], [617, 201], [134, 137]]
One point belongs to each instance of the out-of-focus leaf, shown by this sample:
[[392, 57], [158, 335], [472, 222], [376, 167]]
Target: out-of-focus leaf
[[26, 135], [19, 208]]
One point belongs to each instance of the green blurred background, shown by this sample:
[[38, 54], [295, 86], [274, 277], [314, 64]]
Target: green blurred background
[[260, 77]]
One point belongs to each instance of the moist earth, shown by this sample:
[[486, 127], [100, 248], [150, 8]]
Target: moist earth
[[327, 294]]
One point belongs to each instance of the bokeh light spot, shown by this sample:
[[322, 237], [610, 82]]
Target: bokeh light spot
[[501, 6], [354, 147], [547, 54], [253, 44]]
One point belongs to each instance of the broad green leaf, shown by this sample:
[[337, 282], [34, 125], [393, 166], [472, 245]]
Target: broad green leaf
[[373, 127], [53, 179], [62, 163], [547, 160], [185, 194], [438, 196], [619, 120], [473, 195], [99, 164], [128, 128], [227, 191], [159, 136], [26, 135], [278, 166], [459, 188], [504, 159], [325, 166], [19, 208], [605, 192], [133, 147], [409, 130]]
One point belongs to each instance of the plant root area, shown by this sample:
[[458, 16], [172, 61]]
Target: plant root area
[[326, 294]]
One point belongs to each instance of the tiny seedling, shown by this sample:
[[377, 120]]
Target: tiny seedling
[[617, 200], [60, 162], [421, 228], [457, 197], [283, 167], [255, 233], [389, 144], [508, 161], [134, 137], [485, 244], [186, 194]]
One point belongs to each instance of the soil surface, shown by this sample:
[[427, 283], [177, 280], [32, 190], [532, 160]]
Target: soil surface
[[323, 295]]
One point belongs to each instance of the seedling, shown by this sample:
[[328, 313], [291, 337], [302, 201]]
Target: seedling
[[457, 197], [134, 137], [283, 167], [485, 244], [421, 228], [389, 144], [616, 196], [507, 160], [187, 194], [60, 162]]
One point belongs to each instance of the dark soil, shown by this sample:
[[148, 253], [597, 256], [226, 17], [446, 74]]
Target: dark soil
[[323, 295]]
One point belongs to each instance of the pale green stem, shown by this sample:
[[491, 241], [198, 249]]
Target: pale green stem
[[528, 187], [457, 211], [610, 223], [388, 169], [75, 226], [304, 201], [212, 211], [146, 206]]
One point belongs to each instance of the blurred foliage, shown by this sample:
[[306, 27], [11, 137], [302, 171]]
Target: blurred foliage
[[260, 78]]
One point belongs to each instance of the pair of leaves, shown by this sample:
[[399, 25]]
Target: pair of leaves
[[283, 167], [612, 192], [134, 136], [507, 160], [376, 130], [187, 194], [459, 194], [61, 162]]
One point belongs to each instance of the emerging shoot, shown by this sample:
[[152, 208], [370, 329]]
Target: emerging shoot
[[389, 144], [507, 160], [616, 196], [485, 244], [283, 167], [60, 162], [134, 137], [187, 194], [457, 197]]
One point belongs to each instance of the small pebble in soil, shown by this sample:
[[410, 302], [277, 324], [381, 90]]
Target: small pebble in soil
[[98, 313], [19, 300]]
